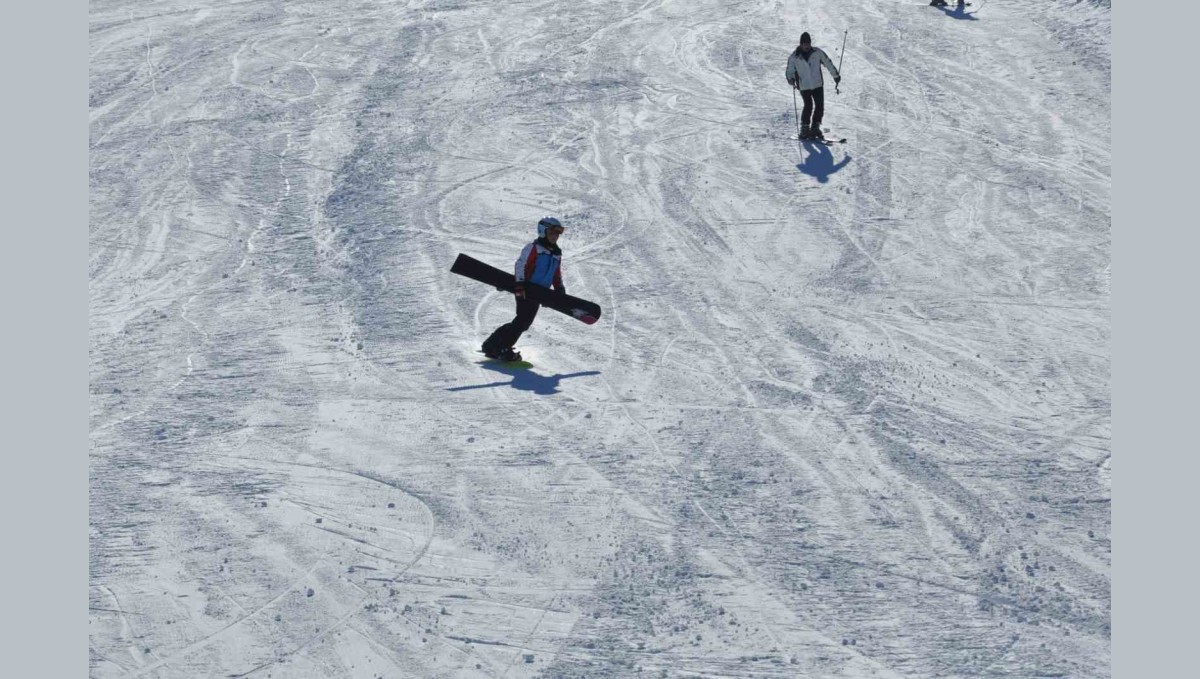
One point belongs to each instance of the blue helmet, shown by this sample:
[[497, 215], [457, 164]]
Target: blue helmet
[[547, 223]]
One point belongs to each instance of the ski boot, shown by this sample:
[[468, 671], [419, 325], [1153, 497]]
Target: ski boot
[[816, 133], [506, 355], [805, 131], [492, 352]]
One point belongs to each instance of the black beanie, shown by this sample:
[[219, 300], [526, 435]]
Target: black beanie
[[805, 39]]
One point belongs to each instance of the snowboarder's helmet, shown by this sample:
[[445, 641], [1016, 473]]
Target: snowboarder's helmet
[[549, 224], [805, 39]]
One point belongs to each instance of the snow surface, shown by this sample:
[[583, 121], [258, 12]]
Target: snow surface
[[846, 415]]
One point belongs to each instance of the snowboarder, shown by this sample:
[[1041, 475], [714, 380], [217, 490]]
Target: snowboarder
[[540, 263], [804, 74]]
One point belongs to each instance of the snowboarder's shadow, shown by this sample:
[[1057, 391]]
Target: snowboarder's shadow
[[525, 379], [960, 13], [819, 161]]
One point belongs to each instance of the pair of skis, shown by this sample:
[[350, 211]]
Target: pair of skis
[[822, 140]]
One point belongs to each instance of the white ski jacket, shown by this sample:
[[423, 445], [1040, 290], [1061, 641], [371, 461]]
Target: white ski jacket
[[809, 70]]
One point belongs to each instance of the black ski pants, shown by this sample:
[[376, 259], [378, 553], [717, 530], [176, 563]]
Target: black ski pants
[[814, 106], [506, 336]]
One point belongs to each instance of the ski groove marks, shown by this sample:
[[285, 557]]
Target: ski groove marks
[[311, 476], [215, 636], [822, 411]]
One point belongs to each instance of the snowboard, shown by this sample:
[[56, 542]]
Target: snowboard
[[582, 309], [515, 365]]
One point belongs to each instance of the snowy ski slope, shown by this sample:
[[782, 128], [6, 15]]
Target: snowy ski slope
[[846, 414]]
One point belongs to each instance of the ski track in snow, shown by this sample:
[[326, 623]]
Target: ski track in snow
[[846, 414]]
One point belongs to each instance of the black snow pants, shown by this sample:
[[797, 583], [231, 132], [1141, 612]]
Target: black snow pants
[[506, 336], [814, 106]]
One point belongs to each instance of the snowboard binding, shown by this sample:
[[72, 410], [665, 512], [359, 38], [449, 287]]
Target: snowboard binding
[[507, 355]]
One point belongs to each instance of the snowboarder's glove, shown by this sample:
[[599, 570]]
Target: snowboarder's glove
[[792, 82], [519, 291], [837, 79], [562, 290]]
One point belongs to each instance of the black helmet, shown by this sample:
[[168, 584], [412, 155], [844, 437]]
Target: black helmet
[[547, 223]]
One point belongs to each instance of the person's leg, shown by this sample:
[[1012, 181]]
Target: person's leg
[[526, 312], [492, 344], [507, 335], [818, 96], [500, 339], [806, 114]]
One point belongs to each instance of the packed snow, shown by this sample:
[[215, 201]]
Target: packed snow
[[846, 413]]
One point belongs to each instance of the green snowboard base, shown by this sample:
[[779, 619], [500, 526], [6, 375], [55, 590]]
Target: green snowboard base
[[517, 365]]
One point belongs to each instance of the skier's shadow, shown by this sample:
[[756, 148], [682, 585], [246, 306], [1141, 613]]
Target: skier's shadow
[[524, 379], [960, 13], [819, 162]]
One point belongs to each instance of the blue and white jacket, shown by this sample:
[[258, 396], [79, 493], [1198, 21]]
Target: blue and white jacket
[[540, 263]]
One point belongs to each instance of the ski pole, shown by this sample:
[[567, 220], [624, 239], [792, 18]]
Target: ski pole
[[797, 112], [837, 86]]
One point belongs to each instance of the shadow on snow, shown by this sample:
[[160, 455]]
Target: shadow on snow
[[819, 162], [524, 379], [958, 13]]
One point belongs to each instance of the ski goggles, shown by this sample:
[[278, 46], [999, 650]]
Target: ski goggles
[[551, 225]]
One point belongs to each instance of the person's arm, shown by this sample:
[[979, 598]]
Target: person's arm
[[791, 74], [837, 77], [524, 267], [558, 281]]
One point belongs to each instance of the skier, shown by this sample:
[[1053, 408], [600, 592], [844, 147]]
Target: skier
[[540, 263], [804, 74]]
